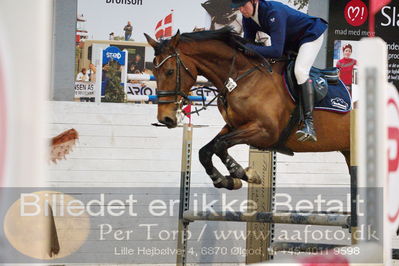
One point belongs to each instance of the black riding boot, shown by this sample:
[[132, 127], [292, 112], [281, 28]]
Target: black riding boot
[[307, 133]]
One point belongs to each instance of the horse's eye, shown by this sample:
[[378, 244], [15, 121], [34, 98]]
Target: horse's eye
[[169, 72]]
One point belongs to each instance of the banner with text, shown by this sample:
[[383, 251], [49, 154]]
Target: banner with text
[[350, 24]]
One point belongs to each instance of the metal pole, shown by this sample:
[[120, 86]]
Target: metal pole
[[184, 204], [124, 71], [303, 247], [271, 217], [353, 174], [264, 163]]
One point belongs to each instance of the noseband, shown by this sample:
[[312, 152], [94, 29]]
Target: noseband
[[177, 92]]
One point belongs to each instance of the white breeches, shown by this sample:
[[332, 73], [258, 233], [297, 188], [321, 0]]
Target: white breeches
[[306, 56]]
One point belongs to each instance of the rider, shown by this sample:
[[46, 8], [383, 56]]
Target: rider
[[289, 30]]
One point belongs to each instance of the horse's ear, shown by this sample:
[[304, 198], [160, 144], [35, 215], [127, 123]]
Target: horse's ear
[[175, 39], [151, 41]]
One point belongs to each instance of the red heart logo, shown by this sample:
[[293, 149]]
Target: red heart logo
[[353, 12], [356, 12]]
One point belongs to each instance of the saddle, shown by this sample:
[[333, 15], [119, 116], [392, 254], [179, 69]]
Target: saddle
[[322, 80]]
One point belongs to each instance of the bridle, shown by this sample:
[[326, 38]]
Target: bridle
[[177, 92]]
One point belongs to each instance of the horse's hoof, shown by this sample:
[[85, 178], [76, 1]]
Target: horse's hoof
[[229, 183], [237, 184], [233, 183], [218, 185], [253, 176]]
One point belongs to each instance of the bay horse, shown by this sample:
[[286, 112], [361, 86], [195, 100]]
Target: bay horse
[[256, 112]]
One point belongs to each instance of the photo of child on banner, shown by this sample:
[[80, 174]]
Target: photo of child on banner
[[345, 61]]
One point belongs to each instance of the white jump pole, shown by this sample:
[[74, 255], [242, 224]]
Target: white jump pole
[[373, 141], [147, 77], [99, 77], [25, 78]]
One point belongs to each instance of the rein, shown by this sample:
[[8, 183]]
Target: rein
[[230, 84]]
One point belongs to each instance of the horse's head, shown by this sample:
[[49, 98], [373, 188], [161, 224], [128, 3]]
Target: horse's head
[[175, 74]]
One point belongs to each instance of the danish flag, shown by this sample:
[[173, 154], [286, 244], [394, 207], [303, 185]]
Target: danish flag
[[164, 27]]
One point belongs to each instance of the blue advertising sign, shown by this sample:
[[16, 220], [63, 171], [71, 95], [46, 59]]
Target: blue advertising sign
[[113, 53]]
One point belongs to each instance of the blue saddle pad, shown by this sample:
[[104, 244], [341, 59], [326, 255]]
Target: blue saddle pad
[[338, 98]]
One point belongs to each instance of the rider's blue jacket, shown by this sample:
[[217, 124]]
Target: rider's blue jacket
[[287, 27]]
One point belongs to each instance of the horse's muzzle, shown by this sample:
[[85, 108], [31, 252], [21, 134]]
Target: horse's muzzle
[[168, 121]]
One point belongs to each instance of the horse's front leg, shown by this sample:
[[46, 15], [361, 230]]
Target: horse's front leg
[[233, 137], [235, 169], [205, 156], [219, 146]]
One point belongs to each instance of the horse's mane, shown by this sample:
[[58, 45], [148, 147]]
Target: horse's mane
[[226, 35]]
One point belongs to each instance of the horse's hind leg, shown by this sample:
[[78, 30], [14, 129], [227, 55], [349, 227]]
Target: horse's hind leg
[[205, 156]]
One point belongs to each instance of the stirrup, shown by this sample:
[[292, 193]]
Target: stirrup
[[303, 135]]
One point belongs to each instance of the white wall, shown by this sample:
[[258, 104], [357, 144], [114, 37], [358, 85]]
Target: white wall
[[118, 146]]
